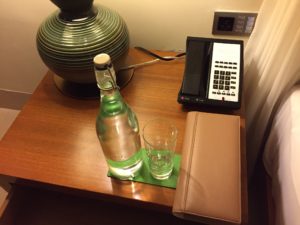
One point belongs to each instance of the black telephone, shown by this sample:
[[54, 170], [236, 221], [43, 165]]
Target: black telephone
[[213, 73]]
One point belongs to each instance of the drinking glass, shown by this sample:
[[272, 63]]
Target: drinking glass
[[160, 138]]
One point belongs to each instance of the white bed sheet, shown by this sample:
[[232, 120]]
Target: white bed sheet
[[282, 160]]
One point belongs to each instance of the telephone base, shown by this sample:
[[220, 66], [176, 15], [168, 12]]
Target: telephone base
[[199, 101]]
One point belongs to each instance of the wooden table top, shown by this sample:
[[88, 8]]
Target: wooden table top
[[53, 140]]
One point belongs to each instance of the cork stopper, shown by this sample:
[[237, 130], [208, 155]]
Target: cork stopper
[[101, 61]]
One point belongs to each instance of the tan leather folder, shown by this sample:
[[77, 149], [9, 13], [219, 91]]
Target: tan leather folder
[[209, 184]]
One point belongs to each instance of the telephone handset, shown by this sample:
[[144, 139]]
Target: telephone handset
[[213, 73]]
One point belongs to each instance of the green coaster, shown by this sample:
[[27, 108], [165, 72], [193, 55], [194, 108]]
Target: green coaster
[[144, 175]]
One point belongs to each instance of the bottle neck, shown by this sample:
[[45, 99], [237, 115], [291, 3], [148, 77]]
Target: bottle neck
[[106, 94], [106, 78], [112, 103]]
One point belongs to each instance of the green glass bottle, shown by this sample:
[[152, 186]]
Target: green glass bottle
[[117, 126]]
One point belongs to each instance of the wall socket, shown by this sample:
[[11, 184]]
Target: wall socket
[[234, 23]]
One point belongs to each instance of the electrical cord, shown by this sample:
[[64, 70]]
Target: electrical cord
[[157, 59], [165, 58]]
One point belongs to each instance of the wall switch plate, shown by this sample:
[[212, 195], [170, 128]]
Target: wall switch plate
[[234, 23]]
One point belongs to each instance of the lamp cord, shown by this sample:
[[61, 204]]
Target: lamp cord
[[157, 59]]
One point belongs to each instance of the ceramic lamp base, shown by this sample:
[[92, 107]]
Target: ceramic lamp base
[[67, 46]]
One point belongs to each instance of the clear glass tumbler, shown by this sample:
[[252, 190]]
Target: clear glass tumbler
[[160, 138]]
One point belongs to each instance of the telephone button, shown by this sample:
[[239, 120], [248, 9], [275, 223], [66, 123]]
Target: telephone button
[[215, 86]]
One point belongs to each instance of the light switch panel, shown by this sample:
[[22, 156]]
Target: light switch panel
[[233, 23]]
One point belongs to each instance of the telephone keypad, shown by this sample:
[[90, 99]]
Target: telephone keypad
[[224, 78]]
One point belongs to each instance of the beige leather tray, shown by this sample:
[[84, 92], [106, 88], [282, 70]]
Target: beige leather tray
[[209, 185]]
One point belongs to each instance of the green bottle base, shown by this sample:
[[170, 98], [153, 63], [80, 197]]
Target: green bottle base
[[126, 170], [126, 173]]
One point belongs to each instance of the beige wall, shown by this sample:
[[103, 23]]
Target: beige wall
[[164, 24], [20, 66], [157, 24]]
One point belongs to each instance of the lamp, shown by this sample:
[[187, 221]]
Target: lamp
[[69, 38]]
